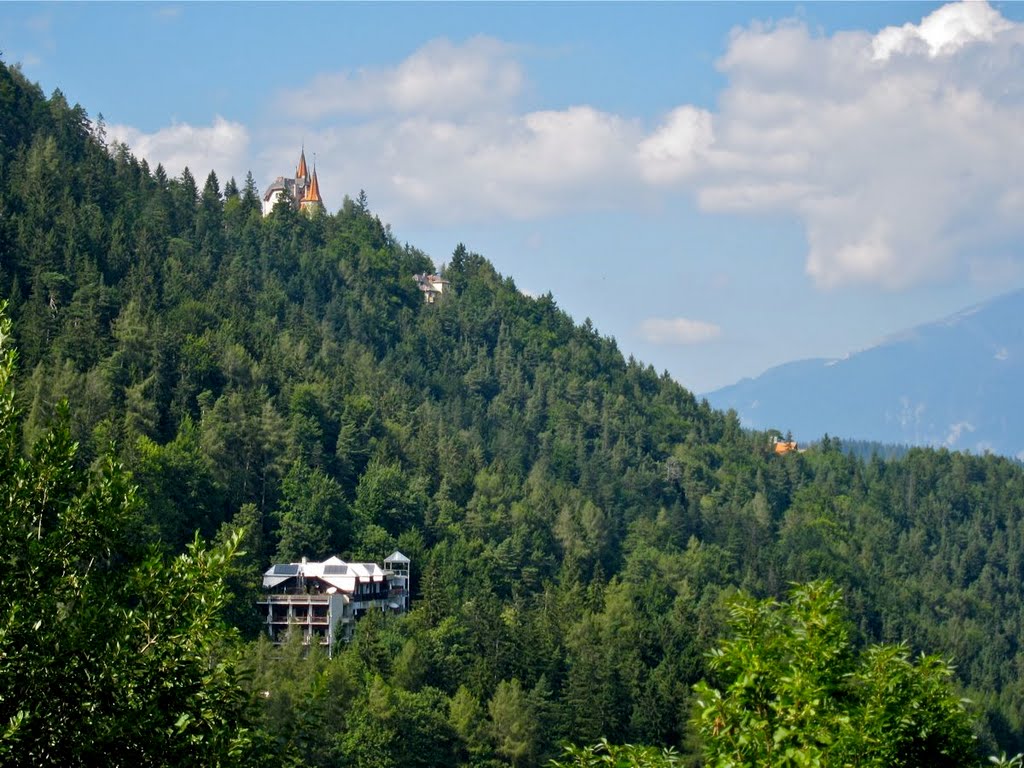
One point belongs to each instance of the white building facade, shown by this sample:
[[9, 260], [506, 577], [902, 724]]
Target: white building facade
[[432, 286], [324, 600]]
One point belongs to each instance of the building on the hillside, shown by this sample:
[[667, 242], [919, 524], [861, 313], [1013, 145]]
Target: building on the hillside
[[323, 600], [780, 446], [304, 190], [431, 285]]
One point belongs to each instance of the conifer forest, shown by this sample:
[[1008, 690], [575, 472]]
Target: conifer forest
[[604, 569]]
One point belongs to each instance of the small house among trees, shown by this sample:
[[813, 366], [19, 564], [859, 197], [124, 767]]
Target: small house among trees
[[432, 286], [781, 445]]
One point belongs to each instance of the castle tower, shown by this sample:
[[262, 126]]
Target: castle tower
[[311, 201]]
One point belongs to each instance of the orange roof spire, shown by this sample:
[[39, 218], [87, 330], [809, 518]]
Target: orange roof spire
[[302, 172], [313, 190]]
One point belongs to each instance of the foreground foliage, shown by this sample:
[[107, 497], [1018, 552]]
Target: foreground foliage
[[108, 655], [793, 692], [615, 756]]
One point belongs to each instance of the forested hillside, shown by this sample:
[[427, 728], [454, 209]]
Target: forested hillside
[[573, 518]]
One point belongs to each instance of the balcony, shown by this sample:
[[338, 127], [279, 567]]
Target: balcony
[[296, 597], [367, 597]]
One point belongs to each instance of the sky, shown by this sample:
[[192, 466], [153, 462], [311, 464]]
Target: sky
[[721, 187]]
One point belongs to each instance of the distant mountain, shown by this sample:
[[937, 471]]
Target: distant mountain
[[955, 383]]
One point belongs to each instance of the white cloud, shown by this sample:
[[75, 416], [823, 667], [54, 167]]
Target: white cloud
[[900, 153], [439, 139], [443, 169], [946, 30], [676, 148], [956, 431], [221, 146], [678, 330], [439, 78]]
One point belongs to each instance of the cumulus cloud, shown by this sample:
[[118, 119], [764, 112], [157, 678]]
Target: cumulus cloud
[[522, 166], [439, 138], [946, 30], [439, 78], [899, 152], [676, 148], [678, 330], [221, 146]]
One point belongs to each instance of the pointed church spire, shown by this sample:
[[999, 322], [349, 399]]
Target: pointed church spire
[[302, 172], [312, 203], [313, 191]]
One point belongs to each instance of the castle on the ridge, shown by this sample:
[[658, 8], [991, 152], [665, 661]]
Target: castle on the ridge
[[304, 190]]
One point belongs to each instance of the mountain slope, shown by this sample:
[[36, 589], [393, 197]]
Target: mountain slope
[[952, 383], [573, 518]]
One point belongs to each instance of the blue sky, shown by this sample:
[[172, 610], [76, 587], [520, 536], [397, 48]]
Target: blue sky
[[721, 187]]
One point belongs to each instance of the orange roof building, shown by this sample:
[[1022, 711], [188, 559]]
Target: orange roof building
[[304, 189]]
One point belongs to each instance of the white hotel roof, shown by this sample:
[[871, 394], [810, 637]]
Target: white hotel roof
[[333, 571]]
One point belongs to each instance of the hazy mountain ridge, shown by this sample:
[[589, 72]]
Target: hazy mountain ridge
[[950, 383]]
